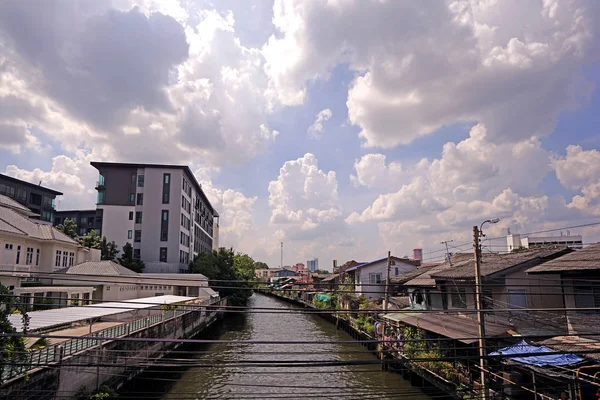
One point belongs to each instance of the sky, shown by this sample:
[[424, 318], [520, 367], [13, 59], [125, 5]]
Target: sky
[[342, 128]]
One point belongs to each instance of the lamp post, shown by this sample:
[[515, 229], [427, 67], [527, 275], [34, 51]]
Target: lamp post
[[477, 232]]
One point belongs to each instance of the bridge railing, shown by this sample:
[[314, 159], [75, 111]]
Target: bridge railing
[[54, 353]]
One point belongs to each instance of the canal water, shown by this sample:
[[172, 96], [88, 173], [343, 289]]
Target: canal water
[[350, 379]]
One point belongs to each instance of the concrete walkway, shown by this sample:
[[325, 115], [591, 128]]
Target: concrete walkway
[[82, 330]]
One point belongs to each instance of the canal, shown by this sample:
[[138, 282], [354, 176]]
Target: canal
[[349, 379]]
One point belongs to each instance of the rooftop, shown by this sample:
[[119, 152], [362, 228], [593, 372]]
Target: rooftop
[[13, 222], [61, 316], [97, 268], [403, 260], [586, 259], [492, 263], [425, 278], [407, 276], [29, 184], [6, 201]]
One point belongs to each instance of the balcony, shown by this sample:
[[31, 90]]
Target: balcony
[[15, 270]]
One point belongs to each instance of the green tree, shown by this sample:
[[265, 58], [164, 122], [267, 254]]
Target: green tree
[[260, 265], [69, 228], [229, 273], [108, 250], [91, 240], [12, 348], [129, 261], [322, 271]]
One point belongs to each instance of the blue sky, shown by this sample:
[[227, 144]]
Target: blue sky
[[440, 117]]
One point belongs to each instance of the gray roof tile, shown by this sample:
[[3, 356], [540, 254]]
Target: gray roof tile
[[98, 268], [13, 222], [586, 259]]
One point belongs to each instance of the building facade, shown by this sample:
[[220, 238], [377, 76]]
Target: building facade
[[516, 241], [37, 198], [369, 278], [84, 219], [160, 209]]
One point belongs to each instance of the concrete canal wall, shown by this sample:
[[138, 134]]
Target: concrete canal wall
[[92, 363]]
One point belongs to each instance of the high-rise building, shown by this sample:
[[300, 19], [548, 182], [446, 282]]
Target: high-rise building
[[160, 209], [313, 265], [85, 220], [37, 198]]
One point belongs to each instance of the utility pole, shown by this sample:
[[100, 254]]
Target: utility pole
[[281, 266], [387, 282], [447, 251], [484, 391]]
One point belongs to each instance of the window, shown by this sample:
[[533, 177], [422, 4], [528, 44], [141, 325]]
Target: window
[[459, 297], [396, 270], [133, 176], [29, 258], [57, 261], [100, 198], [37, 257], [517, 299], [164, 226], [131, 215], [138, 236], [83, 220], [374, 279], [18, 254], [129, 234], [138, 217], [8, 246], [100, 180], [65, 259], [71, 259], [163, 254], [140, 180], [136, 254], [140, 199], [166, 188], [132, 198], [21, 195]]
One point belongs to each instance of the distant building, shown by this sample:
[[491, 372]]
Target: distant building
[[84, 219], [313, 265], [160, 209], [37, 198], [516, 241], [418, 254], [298, 267]]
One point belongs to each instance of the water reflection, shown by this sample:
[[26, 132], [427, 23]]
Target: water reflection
[[263, 382]]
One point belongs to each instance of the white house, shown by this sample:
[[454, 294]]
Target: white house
[[29, 247], [369, 277]]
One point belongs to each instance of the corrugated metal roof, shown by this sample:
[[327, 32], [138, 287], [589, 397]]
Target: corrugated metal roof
[[407, 276], [403, 260], [494, 263], [586, 259], [62, 316], [425, 279], [98, 268]]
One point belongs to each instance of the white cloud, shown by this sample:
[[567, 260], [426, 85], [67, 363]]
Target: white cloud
[[580, 170], [511, 65], [316, 129], [371, 171], [304, 199]]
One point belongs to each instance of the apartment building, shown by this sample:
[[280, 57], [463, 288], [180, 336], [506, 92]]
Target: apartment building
[[160, 209], [84, 219], [37, 198]]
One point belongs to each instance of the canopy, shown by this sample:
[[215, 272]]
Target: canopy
[[538, 360], [322, 297]]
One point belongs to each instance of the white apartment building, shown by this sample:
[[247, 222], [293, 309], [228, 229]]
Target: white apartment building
[[515, 241], [160, 209]]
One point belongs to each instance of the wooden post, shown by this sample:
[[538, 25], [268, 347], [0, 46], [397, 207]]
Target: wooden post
[[387, 282]]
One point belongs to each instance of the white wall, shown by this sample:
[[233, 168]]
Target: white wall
[[362, 277], [116, 224]]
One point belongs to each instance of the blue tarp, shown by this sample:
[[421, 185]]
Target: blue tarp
[[539, 361]]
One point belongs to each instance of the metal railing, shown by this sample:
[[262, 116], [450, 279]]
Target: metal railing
[[55, 353]]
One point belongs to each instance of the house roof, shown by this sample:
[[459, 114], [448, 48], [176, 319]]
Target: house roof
[[574, 344], [425, 278], [496, 263], [330, 277], [410, 275], [586, 259], [13, 222], [29, 184], [6, 201], [403, 260], [98, 268]]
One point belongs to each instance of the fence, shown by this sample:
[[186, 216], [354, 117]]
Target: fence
[[55, 353]]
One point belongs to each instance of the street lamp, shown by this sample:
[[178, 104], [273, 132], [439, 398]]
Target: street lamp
[[485, 391]]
